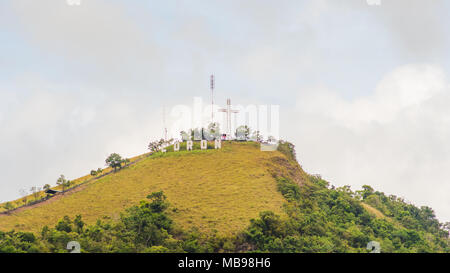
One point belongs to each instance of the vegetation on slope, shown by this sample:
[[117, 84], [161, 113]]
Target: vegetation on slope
[[211, 190], [39, 195], [142, 228], [321, 219], [316, 217], [327, 219]]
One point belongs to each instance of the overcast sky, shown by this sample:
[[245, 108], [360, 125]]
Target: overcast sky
[[363, 89]]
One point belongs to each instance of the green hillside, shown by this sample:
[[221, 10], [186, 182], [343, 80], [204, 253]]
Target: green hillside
[[236, 199], [211, 190]]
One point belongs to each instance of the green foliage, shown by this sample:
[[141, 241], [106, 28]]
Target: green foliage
[[410, 216], [18, 242], [158, 203], [148, 223], [243, 132], [63, 182], [8, 206], [157, 145], [64, 224], [115, 161], [323, 219], [214, 129], [319, 218], [78, 223], [256, 136], [290, 191], [100, 170], [288, 149], [142, 228]]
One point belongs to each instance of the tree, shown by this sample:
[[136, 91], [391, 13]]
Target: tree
[[192, 133], [35, 192], [64, 224], [185, 136], [24, 195], [114, 161], [8, 207], [79, 224], [161, 143], [158, 203], [63, 182], [46, 187], [96, 172], [126, 161], [257, 136], [213, 131], [148, 224], [68, 184], [155, 146], [264, 228], [271, 139], [366, 191], [446, 227], [288, 149], [158, 145], [243, 131]]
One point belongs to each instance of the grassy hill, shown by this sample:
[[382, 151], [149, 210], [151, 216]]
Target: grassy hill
[[211, 190], [236, 199]]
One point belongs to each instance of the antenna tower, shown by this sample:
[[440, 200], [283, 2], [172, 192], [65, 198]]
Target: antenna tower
[[212, 82], [164, 123]]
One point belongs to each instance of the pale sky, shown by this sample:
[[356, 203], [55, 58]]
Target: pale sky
[[363, 90]]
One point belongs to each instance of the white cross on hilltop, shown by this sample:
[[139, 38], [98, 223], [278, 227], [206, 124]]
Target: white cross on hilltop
[[229, 111]]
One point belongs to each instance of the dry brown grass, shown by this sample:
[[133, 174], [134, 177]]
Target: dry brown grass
[[211, 190], [373, 211]]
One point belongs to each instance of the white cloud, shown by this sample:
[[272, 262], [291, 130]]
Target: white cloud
[[395, 139], [57, 130], [404, 88], [97, 40]]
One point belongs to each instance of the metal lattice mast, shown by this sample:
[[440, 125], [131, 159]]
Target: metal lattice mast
[[212, 97]]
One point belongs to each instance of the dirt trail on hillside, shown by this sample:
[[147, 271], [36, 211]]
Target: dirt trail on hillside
[[48, 201], [67, 193]]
